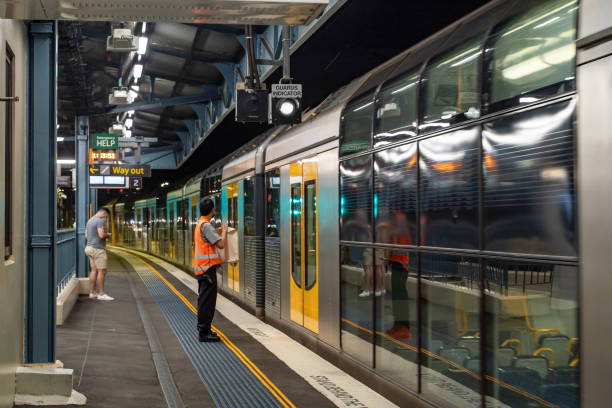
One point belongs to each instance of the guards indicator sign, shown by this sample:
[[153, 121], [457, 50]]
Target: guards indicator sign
[[120, 170], [105, 141], [286, 90]]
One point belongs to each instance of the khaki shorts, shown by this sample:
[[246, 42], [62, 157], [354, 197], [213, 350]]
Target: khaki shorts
[[97, 257]]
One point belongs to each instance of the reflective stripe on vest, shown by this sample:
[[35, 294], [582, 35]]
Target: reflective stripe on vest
[[205, 255]]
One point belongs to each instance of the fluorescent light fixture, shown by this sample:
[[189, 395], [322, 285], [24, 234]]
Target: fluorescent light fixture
[[138, 70], [142, 45], [66, 161], [403, 88], [144, 27], [552, 20], [114, 180], [96, 179], [60, 139], [129, 122], [363, 107], [130, 113], [128, 133], [527, 99], [539, 63]]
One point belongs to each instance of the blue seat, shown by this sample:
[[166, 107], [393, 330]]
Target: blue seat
[[473, 364], [562, 395], [457, 355], [523, 378], [536, 363], [558, 344], [565, 375], [472, 344], [504, 356]]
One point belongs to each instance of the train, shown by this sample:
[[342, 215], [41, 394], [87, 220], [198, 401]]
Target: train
[[419, 228]]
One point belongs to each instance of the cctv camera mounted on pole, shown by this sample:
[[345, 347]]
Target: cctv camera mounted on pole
[[286, 97], [251, 95]]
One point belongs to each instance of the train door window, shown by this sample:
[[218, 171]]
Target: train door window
[[249, 207], [273, 203], [396, 113], [450, 87], [532, 55], [8, 153], [233, 269], [304, 290], [356, 126]]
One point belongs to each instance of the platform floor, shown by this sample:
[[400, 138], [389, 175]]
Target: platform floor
[[130, 355]]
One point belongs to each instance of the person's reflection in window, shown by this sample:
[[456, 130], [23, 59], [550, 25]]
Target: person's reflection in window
[[399, 261]]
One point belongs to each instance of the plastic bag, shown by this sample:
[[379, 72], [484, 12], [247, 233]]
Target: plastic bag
[[229, 253]]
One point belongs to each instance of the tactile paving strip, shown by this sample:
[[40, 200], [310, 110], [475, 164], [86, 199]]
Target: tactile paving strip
[[225, 376]]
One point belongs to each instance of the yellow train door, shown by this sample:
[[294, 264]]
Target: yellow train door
[[304, 292], [233, 269]]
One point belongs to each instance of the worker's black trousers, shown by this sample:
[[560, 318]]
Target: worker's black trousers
[[207, 299]]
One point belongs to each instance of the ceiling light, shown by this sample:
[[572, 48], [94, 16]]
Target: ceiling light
[[128, 133], [66, 161], [129, 122], [60, 139], [144, 27], [130, 112], [142, 45], [138, 70]]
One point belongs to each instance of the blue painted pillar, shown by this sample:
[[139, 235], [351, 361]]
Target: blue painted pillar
[[81, 125], [41, 199]]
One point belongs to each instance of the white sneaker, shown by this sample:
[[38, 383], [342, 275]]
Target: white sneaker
[[93, 295], [105, 297], [365, 293]]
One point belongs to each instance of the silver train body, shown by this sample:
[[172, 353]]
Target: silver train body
[[429, 245]]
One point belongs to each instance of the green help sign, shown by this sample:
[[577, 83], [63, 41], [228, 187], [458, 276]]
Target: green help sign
[[105, 141]]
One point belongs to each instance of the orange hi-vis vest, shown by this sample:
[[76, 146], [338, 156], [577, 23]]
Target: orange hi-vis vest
[[206, 254], [402, 257]]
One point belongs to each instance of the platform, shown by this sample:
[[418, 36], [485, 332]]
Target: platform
[[141, 350]]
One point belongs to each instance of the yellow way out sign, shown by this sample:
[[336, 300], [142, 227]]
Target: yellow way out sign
[[121, 170]]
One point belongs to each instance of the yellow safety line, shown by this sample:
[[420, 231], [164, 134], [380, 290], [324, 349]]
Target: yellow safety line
[[278, 394]]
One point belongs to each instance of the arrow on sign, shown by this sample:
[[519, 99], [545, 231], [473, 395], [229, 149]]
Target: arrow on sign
[[93, 170]]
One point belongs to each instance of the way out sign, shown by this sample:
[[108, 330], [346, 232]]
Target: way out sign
[[105, 141], [143, 170]]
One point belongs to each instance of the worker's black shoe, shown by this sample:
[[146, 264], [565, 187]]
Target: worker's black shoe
[[208, 337]]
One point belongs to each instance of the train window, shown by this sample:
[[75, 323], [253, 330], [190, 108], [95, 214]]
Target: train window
[[9, 84], [396, 112], [449, 187], [310, 233], [357, 302], [273, 203], [450, 290], [532, 56], [529, 191], [296, 233], [395, 283], [450, 87], [532, 334], [356, 199], [395, 195], [249, 207], [356, 126]]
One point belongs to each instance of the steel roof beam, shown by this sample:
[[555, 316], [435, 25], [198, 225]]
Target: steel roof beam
[[162, 103]]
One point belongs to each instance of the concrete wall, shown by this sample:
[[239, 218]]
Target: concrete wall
[[12, 271]]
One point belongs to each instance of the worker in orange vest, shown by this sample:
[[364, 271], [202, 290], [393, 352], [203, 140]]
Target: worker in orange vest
[[205, 262]]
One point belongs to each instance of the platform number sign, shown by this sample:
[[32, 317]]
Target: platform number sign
[[135, 183], [105, 141]]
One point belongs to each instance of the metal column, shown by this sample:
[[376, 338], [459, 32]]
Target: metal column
[[82, 195], [41, 193]]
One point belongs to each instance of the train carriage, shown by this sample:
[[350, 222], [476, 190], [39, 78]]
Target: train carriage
[[422, 222]]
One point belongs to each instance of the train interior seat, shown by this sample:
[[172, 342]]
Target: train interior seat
[[565, 375], [473, 364], [538, 364], [558, 343], [561, 395], [472, 344], [523, 378], [504, 356], [457, 355]]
